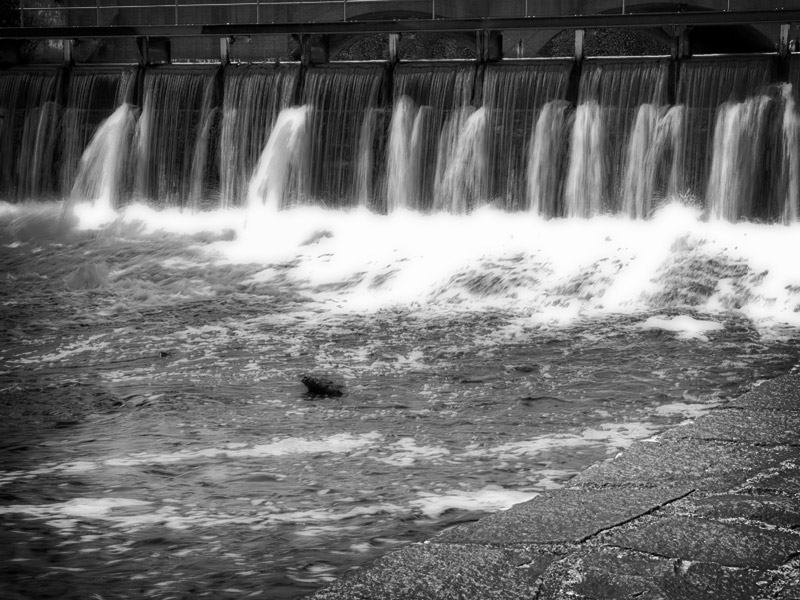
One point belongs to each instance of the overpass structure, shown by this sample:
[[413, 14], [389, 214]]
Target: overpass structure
[[317, 31]]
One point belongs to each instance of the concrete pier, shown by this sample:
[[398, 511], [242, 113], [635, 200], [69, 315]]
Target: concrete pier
[[707, 510]]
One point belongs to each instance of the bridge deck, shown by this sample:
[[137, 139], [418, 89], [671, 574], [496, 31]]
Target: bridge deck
[[655, 19]]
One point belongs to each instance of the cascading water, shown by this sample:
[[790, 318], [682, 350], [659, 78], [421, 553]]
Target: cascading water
[[462, 169], [622, 149], [102, 167], [28, 131], [547, 157], [171, 135], [706, 84], [155, 437], [653, 160], [282, 171], [584, 190], [252, 98], [739, 148], [431, 100], [790, 128], [513, 96], [403, 157], [339, 96], [93, 94]]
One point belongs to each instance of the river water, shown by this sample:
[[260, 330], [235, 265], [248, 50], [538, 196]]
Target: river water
[[156, 440]]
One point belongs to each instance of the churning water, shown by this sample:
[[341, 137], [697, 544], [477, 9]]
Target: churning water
[[162, 351], [511, 286]]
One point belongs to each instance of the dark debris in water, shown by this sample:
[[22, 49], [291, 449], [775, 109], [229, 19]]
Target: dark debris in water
[[320, 386]]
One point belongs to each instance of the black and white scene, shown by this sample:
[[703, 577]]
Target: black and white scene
[[399, 300]]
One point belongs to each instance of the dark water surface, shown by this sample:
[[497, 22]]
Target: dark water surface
[[157, 442]]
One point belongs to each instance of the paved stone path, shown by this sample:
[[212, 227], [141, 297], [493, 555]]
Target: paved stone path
[[707, 510]]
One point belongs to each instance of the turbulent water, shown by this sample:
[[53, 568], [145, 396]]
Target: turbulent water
[[157, 441]]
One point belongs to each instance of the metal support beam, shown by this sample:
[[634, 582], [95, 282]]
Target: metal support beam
[[579, 35]]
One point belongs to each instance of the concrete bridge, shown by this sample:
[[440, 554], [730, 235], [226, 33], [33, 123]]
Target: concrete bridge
[[321, 30]]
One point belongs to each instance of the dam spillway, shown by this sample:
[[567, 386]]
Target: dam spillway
[[619, 135]]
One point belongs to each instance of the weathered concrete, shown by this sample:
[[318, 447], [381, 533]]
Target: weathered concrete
[[708, 510]]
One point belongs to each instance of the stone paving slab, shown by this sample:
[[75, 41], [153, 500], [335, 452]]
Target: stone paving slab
[[718, 466], [702, 540], [709, 510], [444, 571], [612, 573], [783, 479], [774, 510], [743, 425], [563, 516], [781, 394]]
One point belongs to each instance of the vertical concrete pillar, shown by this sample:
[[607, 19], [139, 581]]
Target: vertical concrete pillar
[[67, 50], [681, 44], [579, 50], [489, 45], [225, 50], [784, 39], [314, 49], [394, 48]]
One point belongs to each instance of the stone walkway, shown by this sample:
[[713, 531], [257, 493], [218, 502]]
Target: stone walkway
[[707, 510]]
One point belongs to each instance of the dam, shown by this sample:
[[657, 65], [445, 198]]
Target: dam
[[559, 136], [521, 238]]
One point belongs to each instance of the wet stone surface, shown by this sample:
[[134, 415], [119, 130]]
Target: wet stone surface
[[744, 426], [612, 573], [701, 540], [774, 510], [727, 531], [445, 571], [717, 465], [563, 516]]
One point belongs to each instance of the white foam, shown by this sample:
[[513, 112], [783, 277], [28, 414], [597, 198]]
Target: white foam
[[488, 499], [684, 326], [688, 410], [339, 443], [90, 508], [557, 271], [406, 452]]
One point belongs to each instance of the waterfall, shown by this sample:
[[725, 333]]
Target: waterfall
[[462, 173], [656, 131], [586, 177], [514, 94], [339, 96], [102, 167], [546, 158], [28, 131], [790, 129], [282, 167], [365, 162], [402, 179], [437, 91], [705, 84], [176, 106], [737, 155], [93, 94], [253, 96], [546, 136]]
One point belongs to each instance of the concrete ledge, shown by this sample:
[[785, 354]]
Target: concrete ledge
[[708, 510]]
